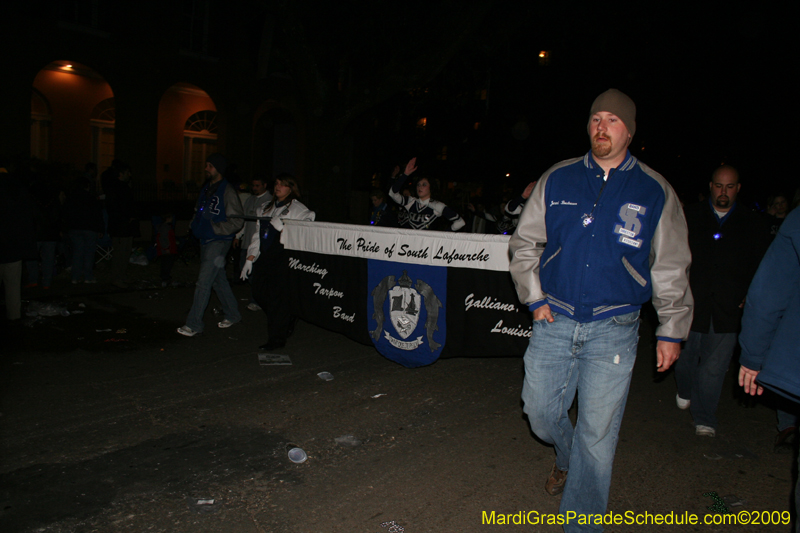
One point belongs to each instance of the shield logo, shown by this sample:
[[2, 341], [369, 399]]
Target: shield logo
[[404, 307], [408, 311]]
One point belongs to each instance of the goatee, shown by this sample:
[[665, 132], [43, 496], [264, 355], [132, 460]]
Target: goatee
[[601, 150]]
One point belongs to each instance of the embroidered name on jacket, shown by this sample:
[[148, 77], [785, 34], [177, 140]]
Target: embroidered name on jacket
[[631, 225], [562, 202]]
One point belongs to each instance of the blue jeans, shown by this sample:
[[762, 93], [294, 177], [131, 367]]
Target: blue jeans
[[212, 275], [700, 373], [84, 245], [596, 360]]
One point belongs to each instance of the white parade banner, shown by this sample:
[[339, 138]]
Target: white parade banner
[[435, 248]]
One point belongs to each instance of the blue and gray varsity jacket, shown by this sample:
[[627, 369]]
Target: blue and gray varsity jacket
[[216, 204], [634, 247]]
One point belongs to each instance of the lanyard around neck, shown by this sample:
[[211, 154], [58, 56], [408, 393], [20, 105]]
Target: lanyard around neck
[[588, 219]]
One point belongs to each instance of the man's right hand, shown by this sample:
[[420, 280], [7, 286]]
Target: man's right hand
[[543, 313], [747, 380]]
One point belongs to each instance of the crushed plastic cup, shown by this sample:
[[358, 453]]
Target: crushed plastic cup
[[204, 505], [297, 455], [325, 376]]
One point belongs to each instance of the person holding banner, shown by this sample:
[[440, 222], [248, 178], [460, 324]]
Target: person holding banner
[[268, 262], [422, 210]]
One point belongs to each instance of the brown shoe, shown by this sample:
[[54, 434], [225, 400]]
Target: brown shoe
[[555, 483], [784, 441]]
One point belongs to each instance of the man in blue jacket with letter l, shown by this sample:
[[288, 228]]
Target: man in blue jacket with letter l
[[215, 229]]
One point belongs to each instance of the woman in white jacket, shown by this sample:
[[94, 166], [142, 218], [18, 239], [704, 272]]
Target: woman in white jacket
[[268, 261]]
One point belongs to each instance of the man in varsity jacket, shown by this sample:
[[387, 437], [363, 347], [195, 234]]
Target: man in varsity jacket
[[215, 230], [615, 237]]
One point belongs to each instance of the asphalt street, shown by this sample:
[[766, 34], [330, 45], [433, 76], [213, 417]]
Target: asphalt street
[[112, 422]]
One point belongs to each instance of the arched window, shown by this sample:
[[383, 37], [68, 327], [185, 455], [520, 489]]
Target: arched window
[[202, 122], [199, 141], [105, 111]]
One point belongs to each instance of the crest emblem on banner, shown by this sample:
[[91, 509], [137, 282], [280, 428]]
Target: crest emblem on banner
[[404, 307], [409, 316]]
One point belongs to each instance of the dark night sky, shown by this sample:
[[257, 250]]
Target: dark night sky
[[711, 86]]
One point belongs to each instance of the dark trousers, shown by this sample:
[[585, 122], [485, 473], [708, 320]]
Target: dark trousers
[[271, 292]]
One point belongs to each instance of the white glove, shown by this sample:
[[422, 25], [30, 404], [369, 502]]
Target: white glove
[[246, 269], [277, 223]]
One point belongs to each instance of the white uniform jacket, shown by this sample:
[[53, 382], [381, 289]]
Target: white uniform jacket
[[294, 210]]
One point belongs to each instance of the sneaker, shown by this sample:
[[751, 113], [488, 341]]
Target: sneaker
[[682, 404], [253, 306], [705, 431], [226, 323], [186, 331], [555, 483]]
